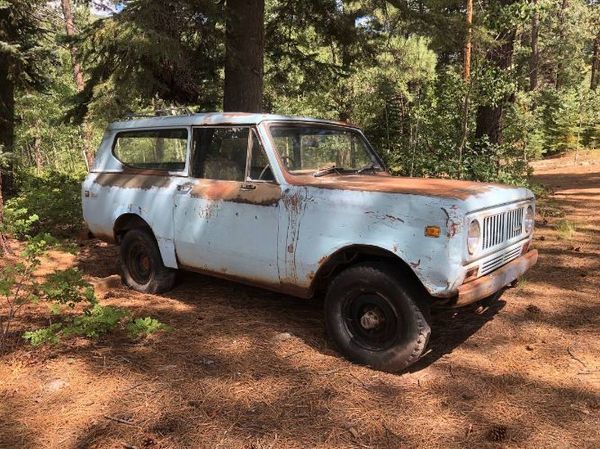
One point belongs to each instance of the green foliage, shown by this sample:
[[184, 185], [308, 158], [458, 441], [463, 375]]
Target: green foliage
[[95, 322], [145, 326], [22, 43], [18, 285], [60, 290], [394, 68], [44, 336], [17, 221], [67, 287], [44, 141], [53, 197]]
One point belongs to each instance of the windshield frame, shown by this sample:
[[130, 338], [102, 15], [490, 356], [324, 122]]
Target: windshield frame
[[320, 124]]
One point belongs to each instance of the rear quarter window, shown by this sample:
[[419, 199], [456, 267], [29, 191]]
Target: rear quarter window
[[163, 149]]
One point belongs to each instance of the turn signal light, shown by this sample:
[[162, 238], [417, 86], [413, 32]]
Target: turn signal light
[[432, 231]]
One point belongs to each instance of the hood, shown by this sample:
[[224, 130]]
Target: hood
[[475, 195]]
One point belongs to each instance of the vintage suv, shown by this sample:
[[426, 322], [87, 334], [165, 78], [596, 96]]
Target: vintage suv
[[303, 206]]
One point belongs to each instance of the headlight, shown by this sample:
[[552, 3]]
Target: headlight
[[529, 220], [473, 237]]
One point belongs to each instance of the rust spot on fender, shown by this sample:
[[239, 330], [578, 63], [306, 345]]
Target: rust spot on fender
[[134, 180], [265, 194]]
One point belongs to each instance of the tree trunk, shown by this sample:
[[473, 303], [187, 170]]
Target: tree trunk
[[7, 118], [77, 76], [489, 116], [70, 31], [468, 42], [534, 61], [561, 31], [596, 64], [244, 53]]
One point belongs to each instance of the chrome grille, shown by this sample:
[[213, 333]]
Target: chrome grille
[[502, 227], [490, 265]]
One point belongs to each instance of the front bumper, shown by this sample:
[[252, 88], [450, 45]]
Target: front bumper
[[487, 285]]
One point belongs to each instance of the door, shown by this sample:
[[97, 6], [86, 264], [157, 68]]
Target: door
[[227, 212]]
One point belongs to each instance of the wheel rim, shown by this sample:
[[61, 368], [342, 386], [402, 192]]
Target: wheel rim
[[371, 321], [139, 263]]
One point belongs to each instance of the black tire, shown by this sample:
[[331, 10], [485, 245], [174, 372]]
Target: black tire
[[141, 264], [374, 319]]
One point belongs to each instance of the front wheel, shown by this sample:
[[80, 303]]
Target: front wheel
[[141, 263], [374, 319]]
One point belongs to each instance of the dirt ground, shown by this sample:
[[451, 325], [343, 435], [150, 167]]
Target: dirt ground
[[244, 368]]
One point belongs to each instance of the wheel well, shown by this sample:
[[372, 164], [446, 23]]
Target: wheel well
[[354, 254], [127, 222]]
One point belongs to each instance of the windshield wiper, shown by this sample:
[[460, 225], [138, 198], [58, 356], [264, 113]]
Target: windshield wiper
[[371, 167], [327, 170]]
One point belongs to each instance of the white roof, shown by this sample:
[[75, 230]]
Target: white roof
[[214, 118]]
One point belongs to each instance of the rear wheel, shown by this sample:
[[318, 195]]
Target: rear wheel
[[374, 319], [141, 264]]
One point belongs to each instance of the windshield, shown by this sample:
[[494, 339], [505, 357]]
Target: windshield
[[320, 150]]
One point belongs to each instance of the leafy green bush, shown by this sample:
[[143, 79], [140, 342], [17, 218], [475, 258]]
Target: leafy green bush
[[18, 285], [17, 222], [145, 326], [95, 322], [67, 287], [53, 197], [60, 289], [43, 336]]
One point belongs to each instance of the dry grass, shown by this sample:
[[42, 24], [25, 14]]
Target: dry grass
[[244, 368]]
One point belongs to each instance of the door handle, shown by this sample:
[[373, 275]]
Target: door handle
[[247, 186]]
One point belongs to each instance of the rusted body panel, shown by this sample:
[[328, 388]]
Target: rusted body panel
[[279, 234]]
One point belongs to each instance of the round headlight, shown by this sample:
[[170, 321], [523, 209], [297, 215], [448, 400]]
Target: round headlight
[[473, 237], [528, 221]]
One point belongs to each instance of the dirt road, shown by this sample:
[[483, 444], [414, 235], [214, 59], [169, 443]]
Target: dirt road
[[244, 368]]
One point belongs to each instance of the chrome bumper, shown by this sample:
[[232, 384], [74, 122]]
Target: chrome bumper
[[487, 285]]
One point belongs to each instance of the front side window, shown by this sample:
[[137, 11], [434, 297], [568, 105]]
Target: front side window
[[307, 149], [163, 149], [221, 153]]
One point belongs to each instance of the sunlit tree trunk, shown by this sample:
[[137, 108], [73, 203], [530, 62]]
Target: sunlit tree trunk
[[244, 53], [467, 78], [77, 76], [468, 41]]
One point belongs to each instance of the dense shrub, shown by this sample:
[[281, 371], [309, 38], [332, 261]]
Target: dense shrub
[[54, 198]]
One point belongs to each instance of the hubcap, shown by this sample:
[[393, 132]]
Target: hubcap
[[139, 263], [371, 320]]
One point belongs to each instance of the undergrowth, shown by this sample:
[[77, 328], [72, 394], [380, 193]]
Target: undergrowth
[[73, 310]]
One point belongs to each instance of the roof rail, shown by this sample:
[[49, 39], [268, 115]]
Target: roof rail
[[166, 112]]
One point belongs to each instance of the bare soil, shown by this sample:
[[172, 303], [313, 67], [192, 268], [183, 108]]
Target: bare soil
[[244, 368]]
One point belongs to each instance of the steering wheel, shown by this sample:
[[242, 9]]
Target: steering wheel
[[264, 170], [288, 161]]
